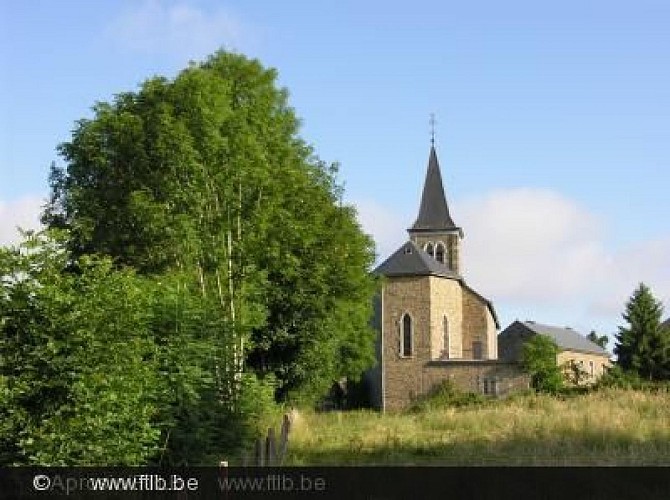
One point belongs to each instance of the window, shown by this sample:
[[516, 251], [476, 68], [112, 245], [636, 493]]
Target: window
[[406, 336], [439, 252], [490, 387], [591, 371], [477, 351], [430, 249]]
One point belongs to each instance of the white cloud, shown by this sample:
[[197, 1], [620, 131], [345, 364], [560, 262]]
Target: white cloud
[[648, 262], [163, 27], [23, 212], [538, 251], [531, 244]]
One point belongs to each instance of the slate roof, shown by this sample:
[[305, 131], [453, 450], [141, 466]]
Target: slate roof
[[433, 211], [410, 260], [566, 338]]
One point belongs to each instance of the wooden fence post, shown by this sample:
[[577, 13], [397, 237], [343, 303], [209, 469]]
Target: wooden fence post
[[271, 448], [269, 451]]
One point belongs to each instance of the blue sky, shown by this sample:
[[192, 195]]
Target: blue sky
[[553, 119]]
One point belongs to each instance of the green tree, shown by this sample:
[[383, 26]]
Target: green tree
[[643, 345], [206, 176], [600, 340], [79, 383], [539, 360], [99, 366]]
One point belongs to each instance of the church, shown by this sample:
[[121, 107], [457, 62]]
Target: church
[[431, 326]]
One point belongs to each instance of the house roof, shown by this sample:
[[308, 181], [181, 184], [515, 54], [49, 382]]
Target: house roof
[[433, 211], [410, 260], [566, 338]]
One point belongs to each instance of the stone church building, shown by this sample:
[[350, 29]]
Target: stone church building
[[431, 325]]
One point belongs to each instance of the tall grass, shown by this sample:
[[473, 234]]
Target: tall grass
[[607, 427]]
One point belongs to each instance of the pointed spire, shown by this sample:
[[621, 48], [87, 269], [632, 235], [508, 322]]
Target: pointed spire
[[433, 211]]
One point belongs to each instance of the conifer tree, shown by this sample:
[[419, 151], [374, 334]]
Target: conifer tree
[[643, 346]]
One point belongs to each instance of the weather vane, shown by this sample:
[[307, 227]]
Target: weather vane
[[432, 129]]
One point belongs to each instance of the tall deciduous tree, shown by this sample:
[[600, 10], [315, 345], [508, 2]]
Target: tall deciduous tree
[[643, 345], [205, 175]]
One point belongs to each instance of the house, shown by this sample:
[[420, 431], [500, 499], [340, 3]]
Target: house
[[573, 346], [431, 325]]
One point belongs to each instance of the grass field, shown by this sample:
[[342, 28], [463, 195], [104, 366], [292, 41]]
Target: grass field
[[607, 427]]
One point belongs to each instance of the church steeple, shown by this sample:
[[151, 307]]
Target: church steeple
[[433, 211], [434, 230]]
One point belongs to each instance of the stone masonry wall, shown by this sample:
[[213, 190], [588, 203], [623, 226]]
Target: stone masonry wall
[[467, 375], [446, 302], [402, 376], [474, 325], [470, 375]]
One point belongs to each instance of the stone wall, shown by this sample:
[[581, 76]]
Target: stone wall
[[445, 302], [429, 300], [467, 375], [453, 246], [402, 375], [478, 325]]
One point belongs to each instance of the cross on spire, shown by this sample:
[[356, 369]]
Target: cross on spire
[[432, 123]]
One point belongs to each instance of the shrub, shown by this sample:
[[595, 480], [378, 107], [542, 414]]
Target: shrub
[[538, 359], [616, 377]]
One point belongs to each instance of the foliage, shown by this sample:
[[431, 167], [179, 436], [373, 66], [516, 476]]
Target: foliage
[[643, 345], [445, 395], [100, 366], [538, 359], [600, 340], [574, 373], [618, 378], [206, 176], [78, 369]]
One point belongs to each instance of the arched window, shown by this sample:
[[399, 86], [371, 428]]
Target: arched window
[[406, 335], [445, 338], [430, 249], [439, 252]]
